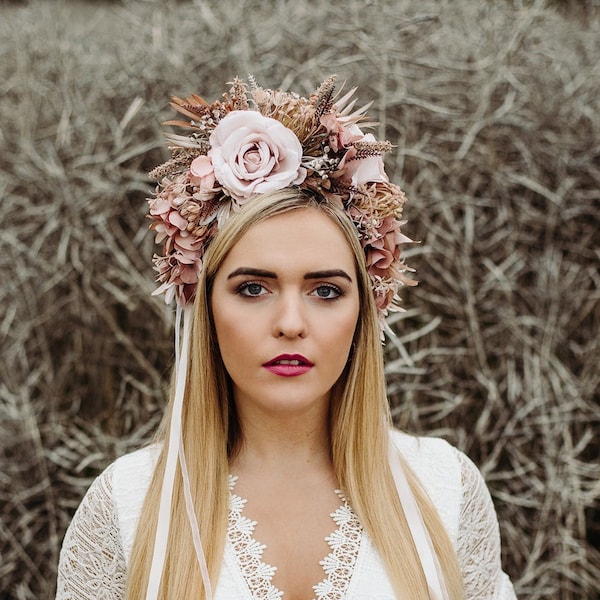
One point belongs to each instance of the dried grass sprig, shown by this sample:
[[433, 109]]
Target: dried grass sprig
[[322, 99]]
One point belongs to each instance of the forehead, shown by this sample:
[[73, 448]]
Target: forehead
[[303, 238]]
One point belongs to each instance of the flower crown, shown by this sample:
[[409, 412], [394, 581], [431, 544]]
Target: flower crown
[[256, 141]]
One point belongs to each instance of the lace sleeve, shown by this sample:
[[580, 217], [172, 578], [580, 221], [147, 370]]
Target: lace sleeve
[[479, 540], [92, 563]]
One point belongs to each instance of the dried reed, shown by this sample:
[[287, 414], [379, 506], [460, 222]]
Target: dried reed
[[495, 108]]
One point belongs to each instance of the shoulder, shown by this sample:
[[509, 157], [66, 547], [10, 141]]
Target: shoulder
[[113, 503], [459, 493], [129, 473], [432, 459], [98, 499], [91, 552], [437, 457], [131, 477], [424, 449], [133, 469], [439, 468]]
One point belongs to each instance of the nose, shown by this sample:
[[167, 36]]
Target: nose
[[290, 318]]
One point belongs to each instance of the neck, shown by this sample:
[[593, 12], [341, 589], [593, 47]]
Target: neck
[[286, 443]]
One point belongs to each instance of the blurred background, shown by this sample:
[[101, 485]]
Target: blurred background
[[495, 111]]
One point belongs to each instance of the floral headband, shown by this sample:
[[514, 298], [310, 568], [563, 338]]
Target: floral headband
[[252, 142], [255, 141]]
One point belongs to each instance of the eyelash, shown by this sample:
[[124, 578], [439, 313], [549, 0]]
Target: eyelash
[[243, 288], [329, 286]]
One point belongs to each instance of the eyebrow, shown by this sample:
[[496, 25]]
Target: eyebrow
[[325, 274]]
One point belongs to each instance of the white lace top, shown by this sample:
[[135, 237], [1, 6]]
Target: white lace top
[[93, 561]]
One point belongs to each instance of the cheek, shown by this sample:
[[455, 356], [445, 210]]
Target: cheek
[[225, 330], [226, 333], [236, 339], [342, 332]]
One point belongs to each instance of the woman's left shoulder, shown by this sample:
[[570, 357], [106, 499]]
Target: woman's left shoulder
[[435, 458], [439, 467], [429, 454], [458, 491]]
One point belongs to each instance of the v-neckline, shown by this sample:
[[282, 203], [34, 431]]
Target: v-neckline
[[338, 566]]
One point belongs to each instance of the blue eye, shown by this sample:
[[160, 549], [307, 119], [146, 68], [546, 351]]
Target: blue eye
[[328, 292], [251, 289]]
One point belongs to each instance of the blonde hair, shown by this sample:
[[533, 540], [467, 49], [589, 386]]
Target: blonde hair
[[359, 431]]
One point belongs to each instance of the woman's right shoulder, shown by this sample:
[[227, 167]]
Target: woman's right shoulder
[[131, 475], [98, 541], [134, 468]]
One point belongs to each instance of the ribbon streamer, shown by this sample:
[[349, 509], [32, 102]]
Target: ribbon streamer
[[174, 453], [425, 550]]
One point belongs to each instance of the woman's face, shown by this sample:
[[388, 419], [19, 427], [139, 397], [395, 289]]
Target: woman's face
[[285, 304]]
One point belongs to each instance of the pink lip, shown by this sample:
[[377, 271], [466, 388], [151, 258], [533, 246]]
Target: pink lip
[[288, 365]]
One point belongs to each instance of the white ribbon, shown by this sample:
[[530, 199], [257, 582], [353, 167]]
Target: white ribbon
[[425, 550], [175, 452]]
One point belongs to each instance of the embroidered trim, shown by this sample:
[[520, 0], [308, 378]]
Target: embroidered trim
[[338, 565], [257, 574]]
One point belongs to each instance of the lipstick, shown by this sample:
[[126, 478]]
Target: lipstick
[[288, 365]]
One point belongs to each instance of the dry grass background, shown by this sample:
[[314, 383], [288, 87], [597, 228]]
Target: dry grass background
[[495, 108]]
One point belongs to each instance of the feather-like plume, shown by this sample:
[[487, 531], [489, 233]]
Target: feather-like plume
[[238, 94], [178, 164], [188, 141], [366, 149], [340, 103], [323, 97], [193, 106]]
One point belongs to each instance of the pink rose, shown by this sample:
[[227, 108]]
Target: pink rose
[[341, 134], [202, 174], [253, 154], [364, 170]]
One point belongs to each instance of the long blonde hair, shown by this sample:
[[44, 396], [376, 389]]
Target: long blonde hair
[[359, 432]]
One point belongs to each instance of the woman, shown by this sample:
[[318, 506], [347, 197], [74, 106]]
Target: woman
[[277, 473]]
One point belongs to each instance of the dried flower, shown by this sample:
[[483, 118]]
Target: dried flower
[[202, 176], [253, 154], [260, 140]]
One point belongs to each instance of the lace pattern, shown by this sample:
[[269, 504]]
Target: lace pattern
[[338, 565], [93, 557], [258, 575], [479, 551], [92, 564]]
